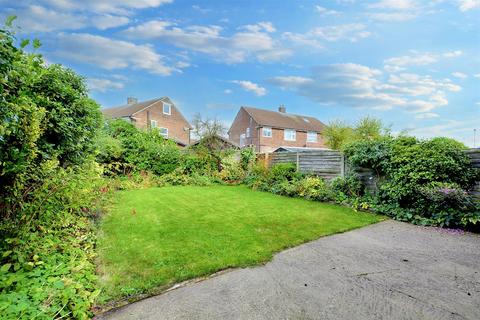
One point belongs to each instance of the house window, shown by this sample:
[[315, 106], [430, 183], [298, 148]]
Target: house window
[[242, 140], [311, 136], [164, 132], [247, 133], [167, 109], [289, 135], [267, 132], [153, 124]]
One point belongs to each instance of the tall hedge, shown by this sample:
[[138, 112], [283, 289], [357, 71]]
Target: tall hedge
[[45, 115]]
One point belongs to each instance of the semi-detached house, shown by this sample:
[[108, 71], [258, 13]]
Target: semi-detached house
[[268, 130], [160, 113]]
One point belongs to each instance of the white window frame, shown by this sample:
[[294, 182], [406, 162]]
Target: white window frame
[[267, 132], [242, 140], [169, 108], [153, 124], [312, 136], [247, 132], [287, 138], [164, 132]]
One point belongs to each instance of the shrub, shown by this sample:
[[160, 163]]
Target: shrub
[[144, 150], [181, 178], [45, 115], [47, 266], [314, 188], [414, 176], [349, 186], [232, 171], [247, 158], [283, 171]]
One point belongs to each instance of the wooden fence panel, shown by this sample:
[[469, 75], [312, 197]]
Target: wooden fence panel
[[324, 163]]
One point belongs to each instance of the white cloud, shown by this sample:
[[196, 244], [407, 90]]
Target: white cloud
[[459, 75], [227, 91], [392, 16], [41, 19], [106, 6], [37, 18], [426, 115], [107, 21], [314, 37], [250, 86], [394, 4], [356, 85], [325, 11], [103, 85], [465, 5], [252, 41], [417, 59], [110, 54], [477, 75]]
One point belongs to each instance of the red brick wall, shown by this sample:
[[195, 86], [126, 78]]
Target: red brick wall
[[175, 122], [239, 126], [277, 140]]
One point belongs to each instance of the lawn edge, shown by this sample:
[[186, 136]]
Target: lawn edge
[[114, 305]]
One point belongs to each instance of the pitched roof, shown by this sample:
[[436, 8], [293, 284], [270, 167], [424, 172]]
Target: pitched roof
[[129, 109], [284, 120]]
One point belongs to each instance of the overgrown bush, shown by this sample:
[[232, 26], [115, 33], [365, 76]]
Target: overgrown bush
[[45, 114], [412, 173], [144, 150], [47, 265], [48, 187]]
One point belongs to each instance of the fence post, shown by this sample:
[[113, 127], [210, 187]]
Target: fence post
[[342, 166], [298, 161]]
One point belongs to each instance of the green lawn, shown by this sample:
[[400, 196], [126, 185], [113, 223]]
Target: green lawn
[[152, 238]]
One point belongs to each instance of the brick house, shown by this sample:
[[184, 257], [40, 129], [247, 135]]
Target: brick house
[[268, 130], [158, 113]]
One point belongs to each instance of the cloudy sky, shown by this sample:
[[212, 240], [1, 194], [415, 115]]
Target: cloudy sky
[[414, 64]]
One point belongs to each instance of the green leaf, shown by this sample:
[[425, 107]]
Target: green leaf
[[9, 20], [5, 267], [6, 253], [36, 44], [24, 43]]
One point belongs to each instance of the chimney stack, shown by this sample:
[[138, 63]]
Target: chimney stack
[[282, 109], [131, 100]]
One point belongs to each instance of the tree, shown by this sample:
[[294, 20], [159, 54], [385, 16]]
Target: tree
[[337, 134], [369, 128]]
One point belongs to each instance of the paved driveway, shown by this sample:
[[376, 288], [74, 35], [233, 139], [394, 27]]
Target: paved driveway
[[390, 270]]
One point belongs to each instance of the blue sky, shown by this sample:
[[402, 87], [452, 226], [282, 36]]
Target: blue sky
[[414, 64]]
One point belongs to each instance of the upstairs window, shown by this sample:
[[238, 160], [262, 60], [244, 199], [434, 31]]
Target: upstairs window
[[167, 109], [153, 124], [267, 132], [311, 136], [247, 133], [164, 132], [289, 135]]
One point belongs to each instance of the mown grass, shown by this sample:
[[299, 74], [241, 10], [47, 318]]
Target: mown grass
[[155, 237]]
